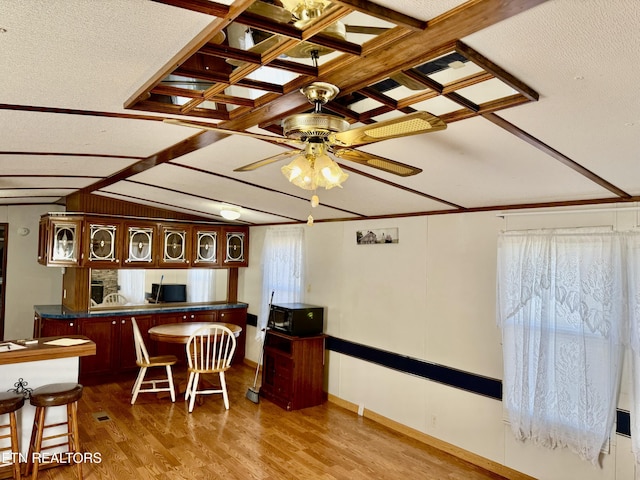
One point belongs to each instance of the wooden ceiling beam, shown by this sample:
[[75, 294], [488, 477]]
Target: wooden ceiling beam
[[443, 32], [384, 13], [522, 135]]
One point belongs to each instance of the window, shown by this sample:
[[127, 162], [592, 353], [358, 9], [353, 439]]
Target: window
[[562, 302], [282, 269]]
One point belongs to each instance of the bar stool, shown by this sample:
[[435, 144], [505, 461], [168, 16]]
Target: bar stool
[[53, 395], [10, 403]]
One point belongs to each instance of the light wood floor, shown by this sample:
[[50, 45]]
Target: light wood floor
[[158, 440]]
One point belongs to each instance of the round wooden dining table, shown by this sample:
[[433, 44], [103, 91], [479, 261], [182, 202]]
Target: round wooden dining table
[[180, 332]]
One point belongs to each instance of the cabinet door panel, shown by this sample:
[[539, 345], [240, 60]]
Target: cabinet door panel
[[58, 328], [103, 332], [236, 316]]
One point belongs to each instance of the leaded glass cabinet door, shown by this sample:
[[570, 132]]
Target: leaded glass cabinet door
[[175, 246], [235, 246], [140, 246], [64, 249], [103, 245], [206, 248]]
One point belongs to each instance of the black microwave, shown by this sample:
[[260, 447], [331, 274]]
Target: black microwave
[[296, 319]]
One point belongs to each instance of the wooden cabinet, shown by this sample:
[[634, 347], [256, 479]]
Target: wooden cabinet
[[236, 317], [235, 246], [139, 246], [115, 348], [59, 241], [293, 370], [104, 331], [102, 243], [176, 246], [113, 336], [97, 241], [205, 247], [46, 327]]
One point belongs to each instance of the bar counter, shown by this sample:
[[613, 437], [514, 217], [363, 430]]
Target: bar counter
[[26, 366], [17, 351], [61, 313]]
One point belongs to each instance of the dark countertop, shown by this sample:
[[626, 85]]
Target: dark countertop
[[59, 312]]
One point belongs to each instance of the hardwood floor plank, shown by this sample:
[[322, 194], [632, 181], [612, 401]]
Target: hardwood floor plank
[[158, 440]]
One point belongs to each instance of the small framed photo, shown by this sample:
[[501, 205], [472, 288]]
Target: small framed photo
[[377, 236]]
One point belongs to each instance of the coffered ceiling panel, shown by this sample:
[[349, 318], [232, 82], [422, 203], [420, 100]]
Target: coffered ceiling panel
[[535, 104]]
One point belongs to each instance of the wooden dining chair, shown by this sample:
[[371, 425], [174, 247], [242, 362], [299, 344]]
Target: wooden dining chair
[[115, 299], [144, 361], [209, 350]]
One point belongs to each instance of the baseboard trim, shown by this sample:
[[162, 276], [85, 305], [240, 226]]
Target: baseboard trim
[[470, 457]]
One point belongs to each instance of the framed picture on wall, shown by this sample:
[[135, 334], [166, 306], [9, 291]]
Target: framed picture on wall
[[385, 236]]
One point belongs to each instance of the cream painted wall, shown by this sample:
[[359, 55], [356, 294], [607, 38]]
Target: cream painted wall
[[432, 297], [27, 282]]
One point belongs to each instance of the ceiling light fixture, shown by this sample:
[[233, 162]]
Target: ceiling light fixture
[[314, 168], [230, 213]]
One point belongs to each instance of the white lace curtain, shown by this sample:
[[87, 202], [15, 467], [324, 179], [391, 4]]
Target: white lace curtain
[[131, 282], [633, 264], [282, 269], [201, 285], [562, 306]]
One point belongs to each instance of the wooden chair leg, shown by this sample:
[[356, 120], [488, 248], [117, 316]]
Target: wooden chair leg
[[15, 450], [171, 386], [74, 435], [194, 389], [223, 386], [138, 384], [35, 445]]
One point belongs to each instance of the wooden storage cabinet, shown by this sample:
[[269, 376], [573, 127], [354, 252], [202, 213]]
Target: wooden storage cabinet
[[234, 247], [59, 241], [113, 336], [293, 370], [46, 327], [140, 245], [102, 243], [236, 317], [92, 240], [176, 246]]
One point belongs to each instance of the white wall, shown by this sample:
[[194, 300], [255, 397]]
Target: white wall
[[432, 297], [27, 282]]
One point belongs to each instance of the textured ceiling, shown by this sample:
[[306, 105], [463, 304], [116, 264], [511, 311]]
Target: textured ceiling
[[72, 65]]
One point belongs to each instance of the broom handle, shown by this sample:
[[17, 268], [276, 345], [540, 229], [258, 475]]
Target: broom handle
[[255, 380]]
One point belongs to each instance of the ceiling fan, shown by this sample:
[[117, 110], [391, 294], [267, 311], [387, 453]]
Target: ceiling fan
[[316, 134]]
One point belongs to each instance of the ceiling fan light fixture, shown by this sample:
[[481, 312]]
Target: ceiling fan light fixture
[[312, 170], [329, 173], [300, 172]]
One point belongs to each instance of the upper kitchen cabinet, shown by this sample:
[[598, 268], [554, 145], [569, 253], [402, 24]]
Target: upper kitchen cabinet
[[108, 242], [205, 241], [176, 247], [60, 238], [235, 246], [102, 243], [140, 245]]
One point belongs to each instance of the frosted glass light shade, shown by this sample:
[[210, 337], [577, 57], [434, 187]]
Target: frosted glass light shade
[[311, 171]]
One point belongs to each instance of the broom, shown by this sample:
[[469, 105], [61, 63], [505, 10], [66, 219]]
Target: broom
[[253, 393]]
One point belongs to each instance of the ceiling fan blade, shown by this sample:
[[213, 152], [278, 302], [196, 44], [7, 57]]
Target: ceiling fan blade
[[269, 160], [375, 161], [269, 138], [412, 124]]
